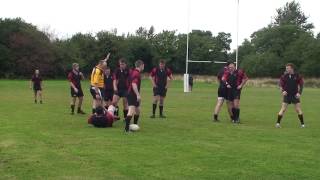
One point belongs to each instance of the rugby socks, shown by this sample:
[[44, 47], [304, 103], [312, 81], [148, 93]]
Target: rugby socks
[[135, 119], [161, 110], [154, 108], [215, 117], [72, 108], [279, 118], [125, 113], [234, 114], [128, 119], [301, 118]]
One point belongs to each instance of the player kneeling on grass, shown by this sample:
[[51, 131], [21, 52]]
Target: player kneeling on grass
[[134, 98], [291, 85], [102, 118]]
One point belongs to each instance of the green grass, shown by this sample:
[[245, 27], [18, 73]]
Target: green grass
[[46, 142]]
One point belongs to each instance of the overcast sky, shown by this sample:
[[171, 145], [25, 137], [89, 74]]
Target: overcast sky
[[66, 17]]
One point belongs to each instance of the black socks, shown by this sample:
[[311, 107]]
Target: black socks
[[279, 118], [72, 108], [301, 118], [215, 117], [135, 119], [125, 113], [154, 107], [161, 109], [128, 119]]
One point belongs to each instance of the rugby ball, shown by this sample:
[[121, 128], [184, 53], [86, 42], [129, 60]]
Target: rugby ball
[[134, 127]]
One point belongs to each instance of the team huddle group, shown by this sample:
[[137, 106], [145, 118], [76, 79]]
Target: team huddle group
[[108, 87]]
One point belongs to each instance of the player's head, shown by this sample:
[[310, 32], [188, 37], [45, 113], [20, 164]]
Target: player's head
[[99, 110], [107, 71], [102, 64], [139, 65], [290, 68], [162, 64], [36, 72], [231, 67], [75, 66], [122, 63]]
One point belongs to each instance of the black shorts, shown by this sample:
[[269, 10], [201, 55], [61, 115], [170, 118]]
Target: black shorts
[[233, 94], [93, 92], [76, 94], [132, 100], [108, 95], [222, 92], [160, 91], [291, 99], [121, 93], [37, 88]]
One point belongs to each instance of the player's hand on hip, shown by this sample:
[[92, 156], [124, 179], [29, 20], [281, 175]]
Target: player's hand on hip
[[298, 95], [284, 93], [76, 90], [239, 87]]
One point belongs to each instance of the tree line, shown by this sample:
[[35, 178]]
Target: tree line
[[23, 48]]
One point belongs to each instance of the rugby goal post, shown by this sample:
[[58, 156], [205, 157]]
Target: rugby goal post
[[186, 75]]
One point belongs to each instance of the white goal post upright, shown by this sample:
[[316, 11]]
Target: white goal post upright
[[186, 75]]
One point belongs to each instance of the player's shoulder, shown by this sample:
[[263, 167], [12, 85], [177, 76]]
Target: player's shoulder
[[169, 71]]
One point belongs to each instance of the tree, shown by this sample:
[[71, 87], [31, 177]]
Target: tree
[[291, 14]]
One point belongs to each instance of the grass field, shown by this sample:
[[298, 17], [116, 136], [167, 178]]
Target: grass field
[[46, 142]]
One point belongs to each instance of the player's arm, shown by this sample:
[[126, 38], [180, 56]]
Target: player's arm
[[31, 84], [71, 84], [135, 90], [170, 77], [244, 81], [107, 57], [282, 86], [224, 79], [41, 84], [115, 83], [300, 87], [152, 78], [81, 75]]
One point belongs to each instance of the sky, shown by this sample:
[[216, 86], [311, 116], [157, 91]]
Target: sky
[[64, 18]]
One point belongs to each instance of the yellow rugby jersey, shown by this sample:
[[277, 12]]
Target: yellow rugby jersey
[[97, 77]]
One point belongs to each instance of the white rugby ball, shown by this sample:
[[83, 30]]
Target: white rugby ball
[[134, 127]]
